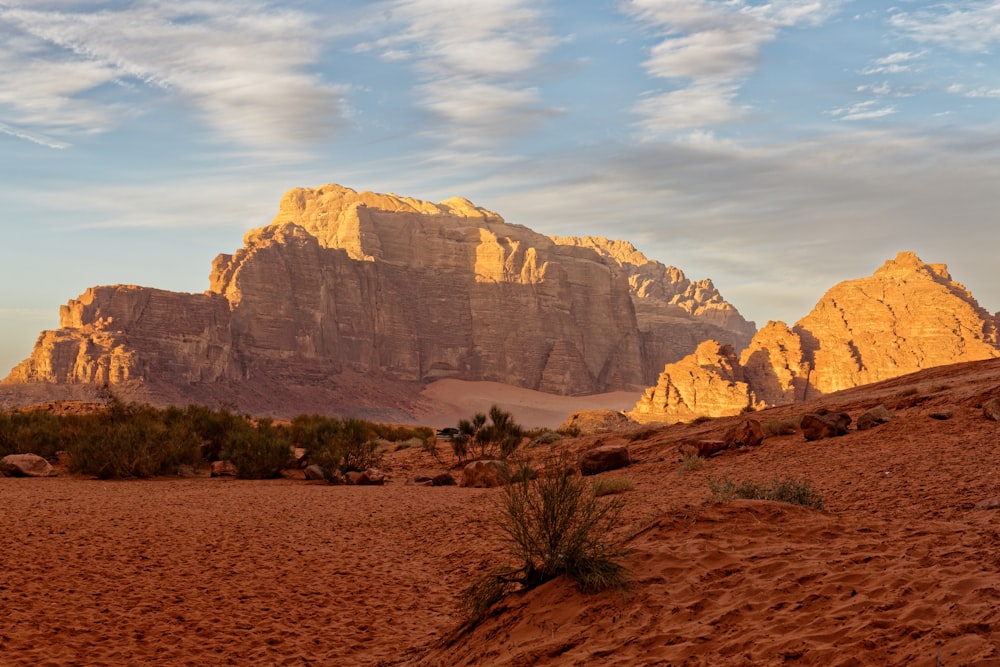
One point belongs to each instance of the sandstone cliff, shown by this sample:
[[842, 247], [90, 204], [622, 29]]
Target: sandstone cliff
[[358, 298], [674, 314], [906, 317]]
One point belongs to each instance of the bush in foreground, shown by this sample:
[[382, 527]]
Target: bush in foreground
[[786, 490], [553, 526]]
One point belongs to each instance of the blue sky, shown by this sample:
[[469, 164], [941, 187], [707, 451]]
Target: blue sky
[[775, 147]]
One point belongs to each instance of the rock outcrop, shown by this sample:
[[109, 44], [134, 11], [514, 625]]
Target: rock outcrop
[[707, 383], [361, 297], [906, 317]]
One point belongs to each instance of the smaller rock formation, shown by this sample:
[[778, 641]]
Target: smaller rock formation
[[702, 448], [991, 409], [748, 433], [602, 459], [370, 477], [588, 422], [708, 382], [824, 424], [875, 417], [25, 465], [485, 474]]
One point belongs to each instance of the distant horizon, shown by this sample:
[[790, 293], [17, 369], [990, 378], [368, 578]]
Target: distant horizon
[[777, 148]]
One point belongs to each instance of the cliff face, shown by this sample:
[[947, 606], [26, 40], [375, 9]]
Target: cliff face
[[674, 314], [906, 317], [345, 288]]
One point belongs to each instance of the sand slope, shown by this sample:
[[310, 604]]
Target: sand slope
[[900, 569]]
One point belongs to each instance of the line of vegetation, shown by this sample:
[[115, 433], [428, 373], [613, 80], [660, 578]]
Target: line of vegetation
[[127, 440], [785, 490], [497, 436]]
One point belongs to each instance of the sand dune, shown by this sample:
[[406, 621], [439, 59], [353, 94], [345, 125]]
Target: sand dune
[[899, 569]]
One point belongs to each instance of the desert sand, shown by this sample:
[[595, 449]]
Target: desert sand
[[900, 568]]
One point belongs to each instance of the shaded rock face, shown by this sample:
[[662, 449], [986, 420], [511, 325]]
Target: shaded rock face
[[601, 459], [906, 317], [708, 382], [391, 289], [674, 314]]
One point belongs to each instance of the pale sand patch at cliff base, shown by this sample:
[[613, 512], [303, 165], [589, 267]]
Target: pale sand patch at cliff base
[[444, 402]]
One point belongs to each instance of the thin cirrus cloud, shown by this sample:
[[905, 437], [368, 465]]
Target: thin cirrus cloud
[[231, 62], [474, 62], [863, 111], [707, 49], [971, 26]]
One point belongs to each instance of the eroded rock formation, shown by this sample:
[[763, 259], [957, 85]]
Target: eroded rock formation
[[906, 317], [360, 297]]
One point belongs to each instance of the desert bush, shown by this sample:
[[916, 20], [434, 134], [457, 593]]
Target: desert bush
[[30, 433], [497, 438], [690, 463], [775, 427], [129, 440], [552, 526], [612, 485], [785, 490], [569, 431], [258, 451], [213, 427], [543, 437], [339, 446]]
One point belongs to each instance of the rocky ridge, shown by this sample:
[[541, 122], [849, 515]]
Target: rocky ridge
[[906, 317], [352, 299]]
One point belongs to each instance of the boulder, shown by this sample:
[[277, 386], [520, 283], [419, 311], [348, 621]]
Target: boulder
[[875, 417], [747, 433], [702, 448], [601, 459], [824, 424], [420, 480], [315, 473], [444, 479], [941, 415], [485, 474], [223, 469], [370, 477], [991, 409], [25, 465]]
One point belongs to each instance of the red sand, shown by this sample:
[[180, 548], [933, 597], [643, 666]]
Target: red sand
[[900, 569]]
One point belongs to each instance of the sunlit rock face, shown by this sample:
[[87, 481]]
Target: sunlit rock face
[[906, 317], [374, 294]]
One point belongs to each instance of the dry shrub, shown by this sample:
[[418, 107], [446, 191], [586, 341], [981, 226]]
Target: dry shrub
[[777, 427], [690, 463], [612, 485], [786, 490]]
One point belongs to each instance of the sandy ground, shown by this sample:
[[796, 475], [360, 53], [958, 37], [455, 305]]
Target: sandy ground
[[899, 569]]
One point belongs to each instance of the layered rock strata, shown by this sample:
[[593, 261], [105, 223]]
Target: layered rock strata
[[366, 296]]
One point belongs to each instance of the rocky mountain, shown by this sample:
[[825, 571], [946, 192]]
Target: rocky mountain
[[906, 317], [352, 299]]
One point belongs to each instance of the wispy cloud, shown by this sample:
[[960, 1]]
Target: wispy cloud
[[475, 62], [894, 63], [708, 48], [967, 26], [863, 111], [233, 63]]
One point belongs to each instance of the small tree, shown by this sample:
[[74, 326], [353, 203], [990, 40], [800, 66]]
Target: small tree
[[553, 526]]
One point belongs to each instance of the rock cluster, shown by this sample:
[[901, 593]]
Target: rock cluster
[[346, 287], [906, 317]]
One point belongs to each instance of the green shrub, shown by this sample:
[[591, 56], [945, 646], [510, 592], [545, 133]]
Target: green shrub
[[30, 433], [339, 446], [498, 438], [612, 485], [690, 463], [258, 452], [553, 526], [786, 490]]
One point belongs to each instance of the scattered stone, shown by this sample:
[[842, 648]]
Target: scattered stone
[[702, 448], [941, 415], [420, 480], [989, 504], [824, 424], [26, 465], [315, 473], [875, 417], [992, 409], [444, 479], [223, 469], [601, 459], [485, 474], [747, 433]]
